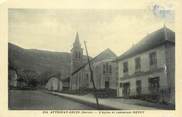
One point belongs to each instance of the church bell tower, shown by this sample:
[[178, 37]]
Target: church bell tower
[[76, 54], [76, 62]]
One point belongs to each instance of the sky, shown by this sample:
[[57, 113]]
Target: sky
[[55, 29]]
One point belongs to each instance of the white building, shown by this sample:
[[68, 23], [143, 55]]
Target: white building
[[54, 84], [148, 68], [105, 74]]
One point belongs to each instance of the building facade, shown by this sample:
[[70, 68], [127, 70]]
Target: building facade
[[105, 74], [82, 78], [76, 62], [148, 68]]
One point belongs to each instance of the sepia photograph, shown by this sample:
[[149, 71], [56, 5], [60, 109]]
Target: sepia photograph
[[91, 59]]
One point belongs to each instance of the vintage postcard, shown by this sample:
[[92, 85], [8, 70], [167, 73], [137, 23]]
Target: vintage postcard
[[79, 58]]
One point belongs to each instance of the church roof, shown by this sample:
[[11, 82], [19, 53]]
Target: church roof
[[151, 41], [106, 54]]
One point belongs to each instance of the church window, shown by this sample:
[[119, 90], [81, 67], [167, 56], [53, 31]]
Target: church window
[[107, 67], [104, 67]]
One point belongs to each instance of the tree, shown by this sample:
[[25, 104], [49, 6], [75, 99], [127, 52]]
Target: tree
[[46, 75], [30, 77]]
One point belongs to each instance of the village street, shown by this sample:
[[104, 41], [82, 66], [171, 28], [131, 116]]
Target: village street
[[35, 99], [48, 100]]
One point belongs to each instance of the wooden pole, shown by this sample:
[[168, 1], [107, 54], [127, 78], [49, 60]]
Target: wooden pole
[[91, 75]]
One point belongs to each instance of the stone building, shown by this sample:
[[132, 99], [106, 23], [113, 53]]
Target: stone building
[[148, 68], [81, 79]]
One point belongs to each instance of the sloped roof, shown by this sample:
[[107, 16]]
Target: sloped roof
[[106, 54], [77, 41], [152, 40]]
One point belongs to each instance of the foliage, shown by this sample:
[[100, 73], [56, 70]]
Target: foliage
[[30, 77], [46, 75]]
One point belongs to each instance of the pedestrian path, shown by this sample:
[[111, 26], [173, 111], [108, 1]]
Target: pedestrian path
[[115, 103]]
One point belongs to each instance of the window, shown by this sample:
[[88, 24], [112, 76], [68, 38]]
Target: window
[[107, 68], [137, 64], [125, 67], [104, 68], [153, 58]]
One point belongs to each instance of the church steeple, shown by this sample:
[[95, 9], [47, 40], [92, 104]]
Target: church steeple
[[77, 53], [77, 41], [76, 63]]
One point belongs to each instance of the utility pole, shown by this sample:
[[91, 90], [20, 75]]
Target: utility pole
[[91, 75]]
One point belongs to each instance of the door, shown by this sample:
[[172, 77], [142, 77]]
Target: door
[[154, 85], [107, 84], [126, 89], [138, 87]]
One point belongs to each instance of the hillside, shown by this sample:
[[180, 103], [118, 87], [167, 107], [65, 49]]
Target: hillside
[[39, 60]]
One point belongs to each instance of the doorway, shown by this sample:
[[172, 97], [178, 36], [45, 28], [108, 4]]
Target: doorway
[[138, 87], [154, 85], [126, 89], [107, 84]]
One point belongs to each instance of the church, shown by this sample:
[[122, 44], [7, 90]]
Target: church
[[103, 66]]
